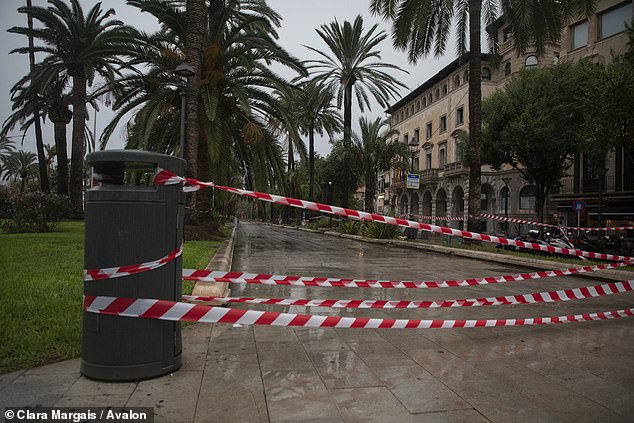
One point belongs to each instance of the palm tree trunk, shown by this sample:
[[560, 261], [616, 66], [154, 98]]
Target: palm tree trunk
[[370, 191], [347, 136], [39, 143], [311, 161], [475, 112], [77, 148], [62, 157], [195, 17]]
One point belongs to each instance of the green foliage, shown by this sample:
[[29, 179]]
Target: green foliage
[[350, 227], [381, 230], [375, 153], [533, 124], [41, 289], [34, 212]]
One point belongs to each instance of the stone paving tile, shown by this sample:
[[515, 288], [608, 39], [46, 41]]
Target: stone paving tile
[[8, 378], [228, 376], [173, 396], [418, 390], [453, 416], [229, 407], [298, 395], [66, 367], [281, 355], [86, 392], [343, 369], [371, 405], [36, 389]]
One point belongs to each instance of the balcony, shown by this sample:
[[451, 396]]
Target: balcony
[[455, 169], [429, 176]]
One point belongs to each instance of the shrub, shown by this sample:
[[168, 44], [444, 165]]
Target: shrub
[[35, 212], [6, 209], [381, 230], [350, 227]]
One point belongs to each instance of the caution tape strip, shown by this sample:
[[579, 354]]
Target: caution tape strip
[[119, 271], [515, 220], [422, 217], [539, 297], [166, 177], [187, 312], [269, 279]]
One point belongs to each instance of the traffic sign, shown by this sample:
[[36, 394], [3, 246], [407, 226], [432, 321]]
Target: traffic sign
[[578, 205], [413, 181]]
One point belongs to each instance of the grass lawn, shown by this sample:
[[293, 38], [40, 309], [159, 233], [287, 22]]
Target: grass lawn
[[41, 290]]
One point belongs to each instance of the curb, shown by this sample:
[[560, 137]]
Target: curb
[[537, 264], [221, 261]]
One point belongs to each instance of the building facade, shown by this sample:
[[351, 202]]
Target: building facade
[[431, 118]]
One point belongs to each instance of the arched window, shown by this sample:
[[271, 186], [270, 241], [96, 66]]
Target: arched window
[[445, 89], [486, 74], [527, 198], [431, 98], [456, 81], [507, 68], [465, 76], [417, 105], [437, 93], [531, 62], [424, 102]]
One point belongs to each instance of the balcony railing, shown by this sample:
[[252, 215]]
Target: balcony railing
[[455, 168], [428, 176]]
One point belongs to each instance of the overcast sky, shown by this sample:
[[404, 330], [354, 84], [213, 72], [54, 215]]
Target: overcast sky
[[300, 18]]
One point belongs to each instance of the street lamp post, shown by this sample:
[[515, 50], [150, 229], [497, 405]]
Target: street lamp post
[[185, 71], [330, 199], [413, 145], [507, 193]]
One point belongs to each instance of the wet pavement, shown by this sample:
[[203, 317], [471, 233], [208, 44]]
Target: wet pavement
[[579, 372]]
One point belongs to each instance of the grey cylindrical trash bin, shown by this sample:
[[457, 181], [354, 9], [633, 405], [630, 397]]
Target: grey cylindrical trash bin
[[131, 221]]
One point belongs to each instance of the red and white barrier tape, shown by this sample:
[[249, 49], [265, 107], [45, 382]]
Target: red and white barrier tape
[[184, 312], [539, 297], [448, 218], [165, 177], [619, 228], [115, 272], [268, 279], [515, 220]]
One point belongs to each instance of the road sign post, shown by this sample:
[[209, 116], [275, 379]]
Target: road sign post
[[578, 206]]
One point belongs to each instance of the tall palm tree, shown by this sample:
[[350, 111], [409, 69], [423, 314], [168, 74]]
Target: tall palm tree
[[39, 143], [237, 92], [315, 112], [423, 26], [354, 68], [81, 45], [6, 148], [20, 165], [375, 153], [196, 17]]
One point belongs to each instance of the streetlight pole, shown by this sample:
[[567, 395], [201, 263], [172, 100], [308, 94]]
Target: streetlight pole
[[507, 193], [330, 199], [413, 145], [185, 71]]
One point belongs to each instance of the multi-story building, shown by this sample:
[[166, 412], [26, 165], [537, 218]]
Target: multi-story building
[[431, 118]]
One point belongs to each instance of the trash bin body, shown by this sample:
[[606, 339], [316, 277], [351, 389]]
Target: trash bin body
[[130, 221]]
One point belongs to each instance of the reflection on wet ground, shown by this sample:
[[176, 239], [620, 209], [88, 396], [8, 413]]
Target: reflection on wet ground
[[575, 372]]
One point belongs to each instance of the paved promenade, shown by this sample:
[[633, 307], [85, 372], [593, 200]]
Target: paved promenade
[[580, 372]]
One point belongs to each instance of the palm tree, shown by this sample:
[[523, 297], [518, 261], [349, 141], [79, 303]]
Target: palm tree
[[20, 164], [354, 68], [196, 16], [421, 26], [39, 143], [6, 147], [237, 92], [315, 112], [81, 45], [375, 153]]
